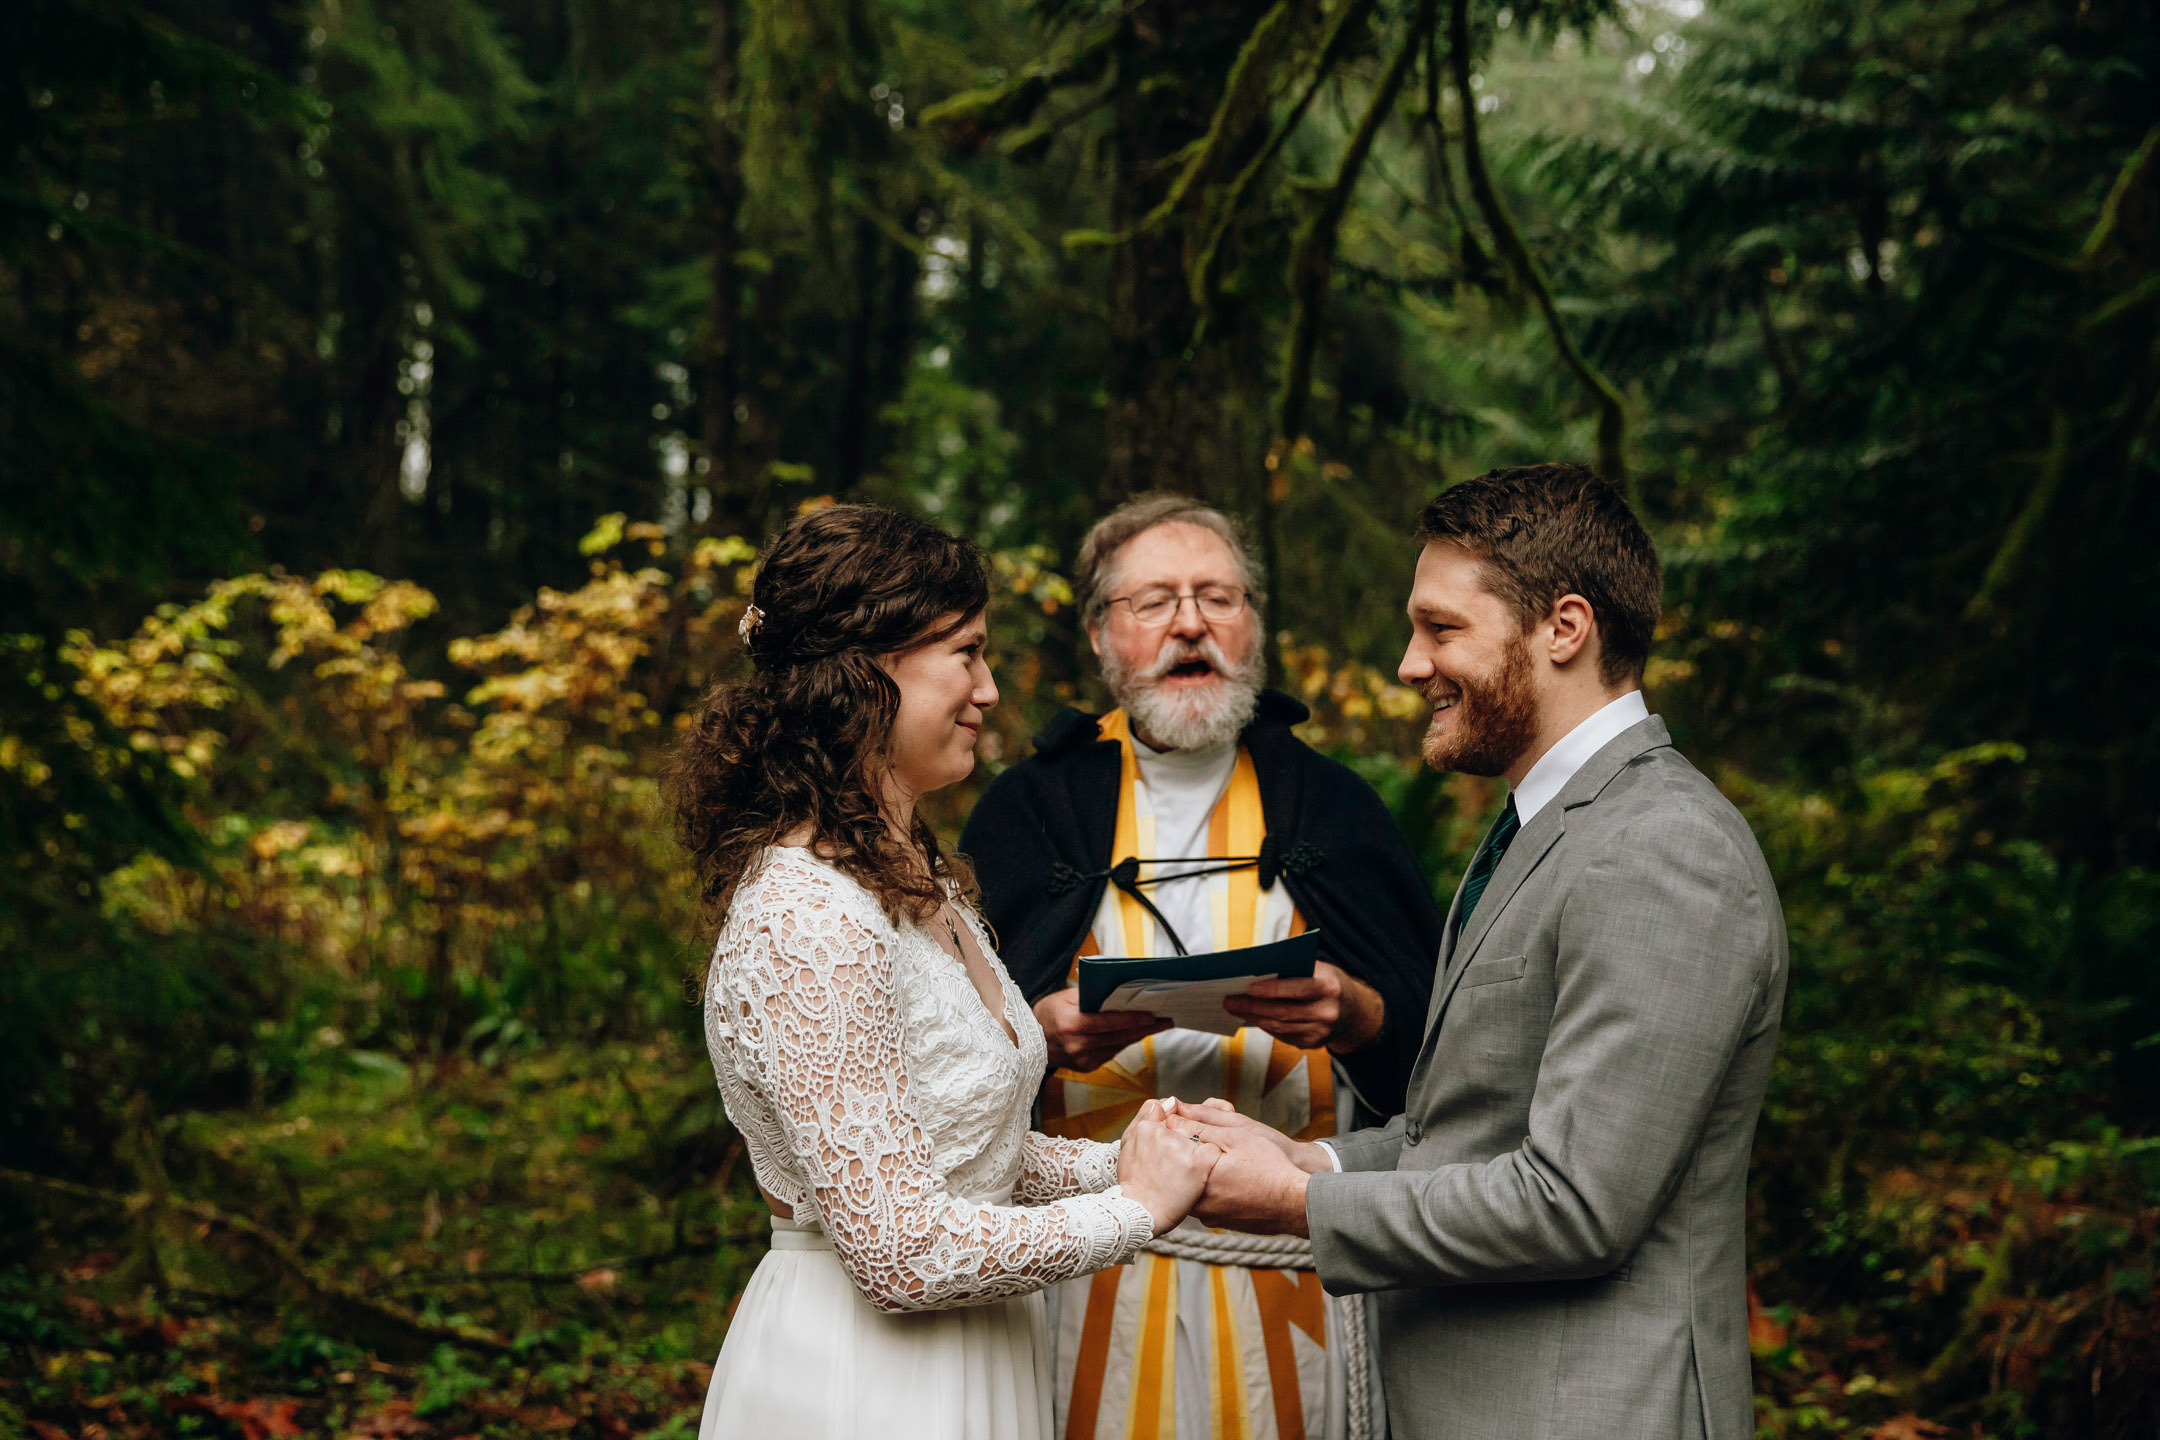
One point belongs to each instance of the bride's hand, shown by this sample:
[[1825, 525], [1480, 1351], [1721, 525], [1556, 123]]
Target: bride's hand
[[1220, 1121], [1163, 1170]]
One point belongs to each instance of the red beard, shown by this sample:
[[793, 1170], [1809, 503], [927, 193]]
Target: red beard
[[1495, 718]]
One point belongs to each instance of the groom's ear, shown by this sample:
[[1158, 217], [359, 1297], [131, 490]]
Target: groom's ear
[[1574, 631]]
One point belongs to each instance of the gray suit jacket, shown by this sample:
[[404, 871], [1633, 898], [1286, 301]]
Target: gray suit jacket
[[1556, 1219]]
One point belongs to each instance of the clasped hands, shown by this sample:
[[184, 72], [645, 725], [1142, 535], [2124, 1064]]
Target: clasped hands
[[1208, 1160]]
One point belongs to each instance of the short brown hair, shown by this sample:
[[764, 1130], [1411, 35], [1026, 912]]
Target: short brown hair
[[1096, 570], [803, 741], [1544, 531]]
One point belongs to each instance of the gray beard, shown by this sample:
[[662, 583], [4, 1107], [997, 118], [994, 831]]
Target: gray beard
[[1203, 721]]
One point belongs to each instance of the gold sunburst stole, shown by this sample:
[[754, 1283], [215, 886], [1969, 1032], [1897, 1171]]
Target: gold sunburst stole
[[1255, 1342]]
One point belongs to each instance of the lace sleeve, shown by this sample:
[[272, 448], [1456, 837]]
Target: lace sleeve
[[1051, 1169], [815, 1003]]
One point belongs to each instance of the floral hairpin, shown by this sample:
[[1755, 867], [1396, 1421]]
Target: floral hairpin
[[747, 627]]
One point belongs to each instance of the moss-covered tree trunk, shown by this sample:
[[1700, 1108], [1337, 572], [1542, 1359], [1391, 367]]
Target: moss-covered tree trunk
[[723, 322], [1166, 426]]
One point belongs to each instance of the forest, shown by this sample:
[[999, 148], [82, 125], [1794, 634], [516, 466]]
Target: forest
[[395, 396]]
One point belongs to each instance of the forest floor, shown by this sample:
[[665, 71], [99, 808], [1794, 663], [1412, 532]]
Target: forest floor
[[545, 1245], [548, 1241]]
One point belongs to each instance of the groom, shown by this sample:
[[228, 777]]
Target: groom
[[1554, 1222]]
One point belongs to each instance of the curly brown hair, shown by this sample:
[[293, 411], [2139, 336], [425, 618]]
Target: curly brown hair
[[803, 741]]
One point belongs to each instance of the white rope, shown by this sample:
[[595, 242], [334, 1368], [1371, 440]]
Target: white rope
[[1194, 1241], [1357, 1367]]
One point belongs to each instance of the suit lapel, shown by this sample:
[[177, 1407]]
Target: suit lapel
[[1538, 837], [1447, 956], [1530, 847], [1547, 826]]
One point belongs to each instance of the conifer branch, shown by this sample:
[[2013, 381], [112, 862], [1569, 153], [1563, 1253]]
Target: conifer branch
[[1612, 414], [1243, 92], [1314, 254], [2138, 168], [2054, 465], [972, 116], [1200, 273]]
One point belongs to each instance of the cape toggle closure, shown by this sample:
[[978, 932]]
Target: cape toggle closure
[[1273, 861]]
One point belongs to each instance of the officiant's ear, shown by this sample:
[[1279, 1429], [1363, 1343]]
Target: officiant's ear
[[1570, 631]]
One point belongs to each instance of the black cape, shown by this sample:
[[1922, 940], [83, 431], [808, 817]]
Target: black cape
[[1052, 819]]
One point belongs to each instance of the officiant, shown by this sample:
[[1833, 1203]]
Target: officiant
[[1191, 819]]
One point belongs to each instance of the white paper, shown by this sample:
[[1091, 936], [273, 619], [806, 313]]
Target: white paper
[[1189, 1004]]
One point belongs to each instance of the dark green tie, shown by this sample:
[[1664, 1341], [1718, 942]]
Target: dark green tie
[[1487, 860]]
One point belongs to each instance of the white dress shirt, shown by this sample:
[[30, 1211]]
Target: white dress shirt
[[1556, 767], [1183, 787]]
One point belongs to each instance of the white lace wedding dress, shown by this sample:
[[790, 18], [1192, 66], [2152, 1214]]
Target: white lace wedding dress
[[886, 1106]]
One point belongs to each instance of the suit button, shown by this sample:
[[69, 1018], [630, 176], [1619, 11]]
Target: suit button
[[1412, 1131]]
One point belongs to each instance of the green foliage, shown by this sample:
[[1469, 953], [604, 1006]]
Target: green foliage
[[1930, 1153], [375, 307], [604, 1236], [1891, 292]]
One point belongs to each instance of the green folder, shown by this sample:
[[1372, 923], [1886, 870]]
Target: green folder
[[1190, 989]]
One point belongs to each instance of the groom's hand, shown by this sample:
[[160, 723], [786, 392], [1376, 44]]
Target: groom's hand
[[1253, 1186], [1259, 1183], [1220, 1120]]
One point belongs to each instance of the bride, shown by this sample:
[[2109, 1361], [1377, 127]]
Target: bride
[[877, 1060]]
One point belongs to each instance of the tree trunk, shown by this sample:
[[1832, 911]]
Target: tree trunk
[[895, 348], [721, 384], [855, 399], [1173, 60]]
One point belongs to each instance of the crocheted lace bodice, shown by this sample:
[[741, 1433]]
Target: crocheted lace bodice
[[880, 1100]]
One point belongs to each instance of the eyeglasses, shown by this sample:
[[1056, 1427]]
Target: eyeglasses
[[1216, 604]]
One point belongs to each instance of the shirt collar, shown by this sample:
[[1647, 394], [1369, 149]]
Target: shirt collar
[[1558, 765]]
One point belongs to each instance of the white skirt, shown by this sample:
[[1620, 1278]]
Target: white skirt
[[808, 1358]]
